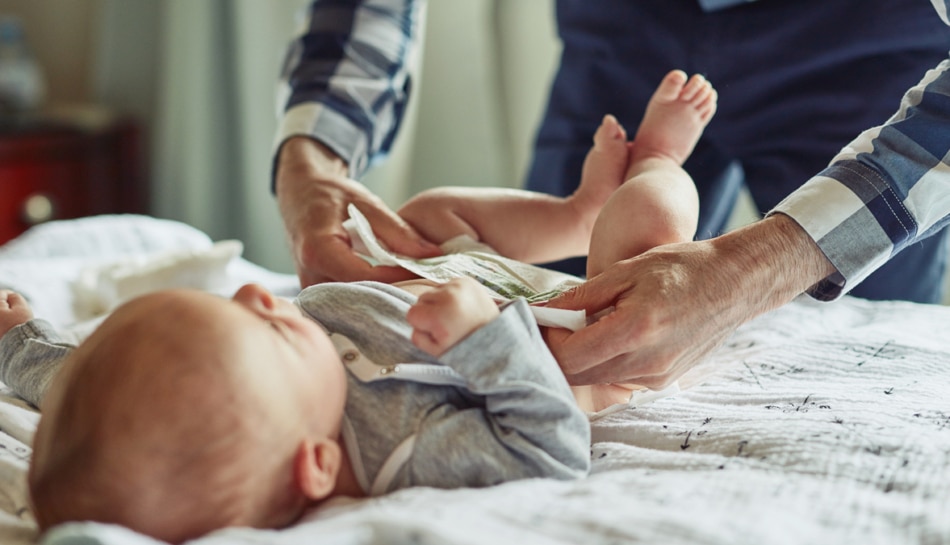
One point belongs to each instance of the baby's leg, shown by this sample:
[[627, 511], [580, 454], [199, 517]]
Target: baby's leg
[[604, 170], [525, 225], [658, 203], [597, 397]]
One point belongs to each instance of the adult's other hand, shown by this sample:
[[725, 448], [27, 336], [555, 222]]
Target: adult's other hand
[[313, 192], [676, 303]]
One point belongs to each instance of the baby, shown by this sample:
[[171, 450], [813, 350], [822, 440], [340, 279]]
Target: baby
[[185, 412]]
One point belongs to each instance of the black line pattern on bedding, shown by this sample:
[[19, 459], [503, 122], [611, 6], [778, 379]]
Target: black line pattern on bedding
[[937, 419], [803, 406], [846, 392]]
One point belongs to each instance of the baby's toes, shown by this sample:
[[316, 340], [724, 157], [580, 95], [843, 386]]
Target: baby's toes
[[671, 87], [609, 134], [610, 140], [695, 89], [707, 107]]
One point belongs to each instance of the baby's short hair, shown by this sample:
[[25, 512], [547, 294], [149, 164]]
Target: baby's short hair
[[152, 437]]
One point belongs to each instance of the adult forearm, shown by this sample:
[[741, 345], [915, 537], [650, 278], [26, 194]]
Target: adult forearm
[[302, 164], [770, 262], [302, 155]]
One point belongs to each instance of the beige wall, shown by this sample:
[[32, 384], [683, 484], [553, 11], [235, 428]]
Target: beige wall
[[63, 44]]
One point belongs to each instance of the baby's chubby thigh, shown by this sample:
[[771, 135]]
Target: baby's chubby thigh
[[593, 398]]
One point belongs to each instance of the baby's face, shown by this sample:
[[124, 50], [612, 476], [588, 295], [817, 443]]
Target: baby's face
[[295, 347], [256, 338], [249, 375]]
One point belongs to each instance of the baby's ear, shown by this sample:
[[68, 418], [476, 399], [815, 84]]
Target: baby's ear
[[316, 467]]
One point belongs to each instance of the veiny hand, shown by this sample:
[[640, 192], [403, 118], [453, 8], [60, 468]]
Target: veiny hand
[[14, 310], [448, 313], [667, 315], [676, 303], [313, 192]]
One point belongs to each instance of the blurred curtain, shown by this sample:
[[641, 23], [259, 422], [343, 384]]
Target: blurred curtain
[[201, 75], [487, 65]]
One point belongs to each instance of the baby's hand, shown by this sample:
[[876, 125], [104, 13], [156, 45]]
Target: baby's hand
[[446, 314], [14, 310]]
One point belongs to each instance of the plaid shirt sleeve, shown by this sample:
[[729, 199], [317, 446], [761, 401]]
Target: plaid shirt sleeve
[[345, 78], [887, 189]]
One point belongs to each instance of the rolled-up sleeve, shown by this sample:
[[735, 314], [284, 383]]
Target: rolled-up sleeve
[[886, 190], [31, 355], [346, 77]]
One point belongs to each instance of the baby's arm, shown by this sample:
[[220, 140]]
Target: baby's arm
[[447, 313], [31, 352], [523, 225], [14, 310], [527, 423]]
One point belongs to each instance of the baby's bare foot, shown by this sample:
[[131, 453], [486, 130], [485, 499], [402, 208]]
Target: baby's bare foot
[[675, 117], [605, 165]]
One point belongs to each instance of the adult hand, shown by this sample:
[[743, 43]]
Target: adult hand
[[676, 303], [313, 191]]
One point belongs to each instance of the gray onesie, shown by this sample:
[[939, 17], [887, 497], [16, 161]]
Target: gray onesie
[[493, 408]]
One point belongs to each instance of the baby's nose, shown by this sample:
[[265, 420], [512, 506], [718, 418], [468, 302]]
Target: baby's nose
[[255, 297]]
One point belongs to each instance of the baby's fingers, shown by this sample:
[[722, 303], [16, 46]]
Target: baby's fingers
[[427, 342], [10, 299]]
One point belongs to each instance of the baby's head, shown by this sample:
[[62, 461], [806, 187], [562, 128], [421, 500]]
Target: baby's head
[[185, 412]]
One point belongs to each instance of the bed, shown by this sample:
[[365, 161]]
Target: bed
[[820, 422]]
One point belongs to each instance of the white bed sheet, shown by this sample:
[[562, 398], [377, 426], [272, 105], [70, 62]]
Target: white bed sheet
[[825, 423]]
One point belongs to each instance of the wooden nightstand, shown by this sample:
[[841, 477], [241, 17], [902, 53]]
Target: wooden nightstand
[[67, 166]]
